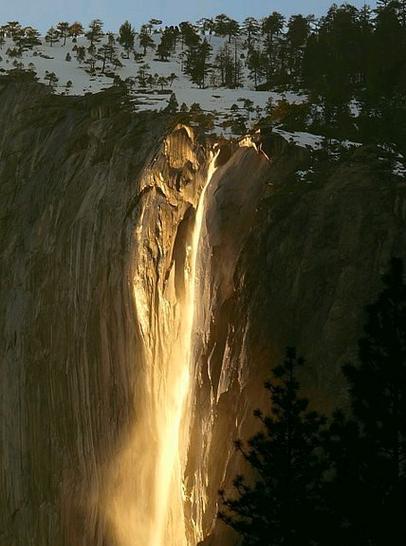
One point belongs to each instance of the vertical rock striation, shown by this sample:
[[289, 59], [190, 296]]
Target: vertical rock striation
[[98, 208]]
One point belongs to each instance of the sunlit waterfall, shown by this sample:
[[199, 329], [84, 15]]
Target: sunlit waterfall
[[146, 502], [167, 530]]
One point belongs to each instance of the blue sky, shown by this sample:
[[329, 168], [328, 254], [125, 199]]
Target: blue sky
[[43, 13]]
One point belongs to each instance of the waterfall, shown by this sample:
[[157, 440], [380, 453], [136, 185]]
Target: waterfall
[[175, 414], [147, 509]]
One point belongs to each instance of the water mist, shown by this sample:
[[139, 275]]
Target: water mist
[[148, 508]]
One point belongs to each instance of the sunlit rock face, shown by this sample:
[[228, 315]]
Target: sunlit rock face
[[117, 412], [70, 176]]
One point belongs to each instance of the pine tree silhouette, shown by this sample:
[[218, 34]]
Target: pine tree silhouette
[[369, 450], [282, 503]]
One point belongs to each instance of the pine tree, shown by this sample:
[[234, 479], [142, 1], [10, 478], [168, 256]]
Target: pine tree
[[63, 30], [197, 62], [13, 28], [272, 25], [80, 54], [378, 395], [142, 74], [27, 38], [162, 82], [104, 53], [126, 37], [368, 449], [251, 29], [173, 105], [51, 78], [95, 32], [255, 64], [225, 65], [189, 35], [282, 504], [221, 24], [205, 25], [145, 39], [52, 36], [164, 47], [233, 29], [171, 78]]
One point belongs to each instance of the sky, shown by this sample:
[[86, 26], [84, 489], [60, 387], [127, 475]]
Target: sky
[[44, 13]]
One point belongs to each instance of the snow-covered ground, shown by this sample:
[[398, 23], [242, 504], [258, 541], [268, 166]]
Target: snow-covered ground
[[213, 99], [217, 100]]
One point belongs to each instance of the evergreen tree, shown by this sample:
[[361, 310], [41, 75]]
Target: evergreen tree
[[255, 64], [197, 62], [221, 24], [205, 25], [251, 29], [189, 35], [12, 29], [95, 32], [111, 43], [126, 37], [52, 36], [51, 78], [142, 75], [282, 504], [378, 396], [298, 31], [145, 40], [63, 30], [162, 82], [272, 25], [297, 35], [171, 78], [368, 450], [27, 38], [165, 45], [173, 105], [80, 54], [225, 65], [225, 26], [104, 54], [232, 29]]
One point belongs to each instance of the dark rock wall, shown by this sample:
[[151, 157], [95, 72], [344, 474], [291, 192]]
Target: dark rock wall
[[309, 258], [284, 263]]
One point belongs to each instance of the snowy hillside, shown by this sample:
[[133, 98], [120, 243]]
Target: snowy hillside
[[74, 77]]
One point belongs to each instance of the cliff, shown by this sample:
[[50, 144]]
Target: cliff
[[98, 205]]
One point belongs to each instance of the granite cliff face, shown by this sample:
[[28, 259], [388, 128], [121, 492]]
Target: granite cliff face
[[98, 208]]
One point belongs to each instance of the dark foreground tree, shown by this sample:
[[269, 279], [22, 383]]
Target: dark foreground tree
[[369, 450], [281, 504]]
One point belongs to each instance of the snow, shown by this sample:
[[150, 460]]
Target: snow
[[301, 139], [213, 99], [303, 174], [399, 169], [218, 100], [355, 108]]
